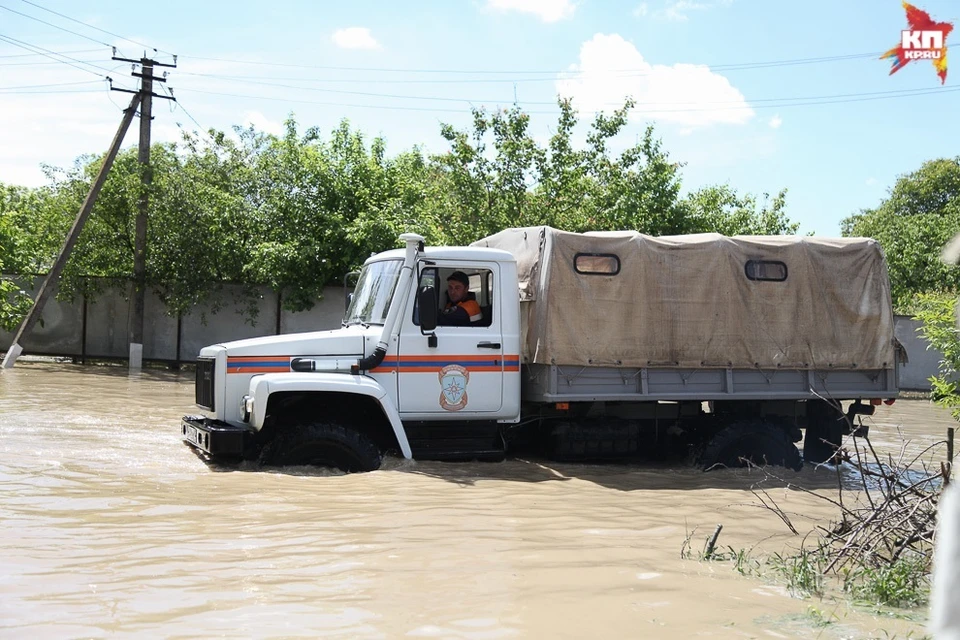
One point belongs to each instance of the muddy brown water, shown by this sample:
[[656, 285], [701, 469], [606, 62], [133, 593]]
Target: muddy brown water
[[113, 528]]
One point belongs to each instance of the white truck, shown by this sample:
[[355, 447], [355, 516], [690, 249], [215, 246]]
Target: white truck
[[607, 345]]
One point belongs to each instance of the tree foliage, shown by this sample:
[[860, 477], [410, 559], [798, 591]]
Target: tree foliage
[[27, 241], [938, 314], [298, 210], [498, 176], [917, 219]]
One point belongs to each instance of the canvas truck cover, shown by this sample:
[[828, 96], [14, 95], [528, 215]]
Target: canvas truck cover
[[702, 300]]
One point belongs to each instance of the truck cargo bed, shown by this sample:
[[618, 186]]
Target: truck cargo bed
[[555, 383]]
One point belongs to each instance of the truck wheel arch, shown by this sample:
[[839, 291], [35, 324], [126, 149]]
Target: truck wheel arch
[[363, 407]]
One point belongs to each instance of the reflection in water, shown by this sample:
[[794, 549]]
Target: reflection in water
[[113, 527]]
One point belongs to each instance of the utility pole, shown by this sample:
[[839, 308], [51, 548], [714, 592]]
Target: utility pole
[[50, 282], [135, 333]]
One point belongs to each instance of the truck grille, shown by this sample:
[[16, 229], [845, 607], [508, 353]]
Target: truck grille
[[206, 368]]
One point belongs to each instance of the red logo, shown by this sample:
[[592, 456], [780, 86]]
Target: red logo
[[924, 40]]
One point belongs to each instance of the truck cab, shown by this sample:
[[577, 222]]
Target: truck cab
[[393, 378]]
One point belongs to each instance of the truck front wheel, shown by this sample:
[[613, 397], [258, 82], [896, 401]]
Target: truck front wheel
[[747, 443], [322, 445]]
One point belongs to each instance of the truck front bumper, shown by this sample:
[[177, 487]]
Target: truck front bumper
[[216, 438]]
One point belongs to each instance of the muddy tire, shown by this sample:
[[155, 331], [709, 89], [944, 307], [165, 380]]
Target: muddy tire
[[751, 443], [322, 445]]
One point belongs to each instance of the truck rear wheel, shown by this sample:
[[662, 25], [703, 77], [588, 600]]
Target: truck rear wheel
[[322, 445], [751, 443], [826, 426]]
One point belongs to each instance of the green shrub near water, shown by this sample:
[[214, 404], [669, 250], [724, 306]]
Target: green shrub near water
[[905, 583]]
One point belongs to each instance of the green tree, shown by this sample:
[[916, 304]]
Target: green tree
[[938, 312], [916, 220], [720, 209], [324, 206], [297, 211], [14, 302], [30, 235], [495, 176], [196, 227]]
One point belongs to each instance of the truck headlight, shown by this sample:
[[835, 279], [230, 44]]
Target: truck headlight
[[246, 408]]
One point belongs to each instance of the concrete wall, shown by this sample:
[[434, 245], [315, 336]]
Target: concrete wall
[[100, 329], [923, 362]]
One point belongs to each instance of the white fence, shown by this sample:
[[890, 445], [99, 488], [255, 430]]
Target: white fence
[[98, 328]]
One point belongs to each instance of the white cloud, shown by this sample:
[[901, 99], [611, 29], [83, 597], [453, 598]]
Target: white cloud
[[546, 10], [611, 69], [775, 122], [355, 38], [678, 10], [260, 122], [871, 181]]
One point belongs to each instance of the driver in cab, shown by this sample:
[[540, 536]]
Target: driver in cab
[[462, 309]]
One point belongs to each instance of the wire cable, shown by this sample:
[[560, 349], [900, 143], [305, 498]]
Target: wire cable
[[200, 126], [552, 77], [90, 26], [41, 86], [50, 54], [639, 108], [719, 67], [44, 63], [30, 55], [24, 93], [50, 24], [553, 102]]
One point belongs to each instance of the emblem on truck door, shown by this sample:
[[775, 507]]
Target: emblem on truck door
[[453, 387]]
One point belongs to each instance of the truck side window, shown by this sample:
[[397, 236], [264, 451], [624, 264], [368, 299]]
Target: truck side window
[[771, 270], [475, 306], [596, 264]]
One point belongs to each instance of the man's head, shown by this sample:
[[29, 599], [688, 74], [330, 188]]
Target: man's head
[[458, 284]]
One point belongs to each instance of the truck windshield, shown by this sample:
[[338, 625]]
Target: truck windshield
[[371, 298]]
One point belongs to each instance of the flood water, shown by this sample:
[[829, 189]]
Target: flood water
[[111, 527]]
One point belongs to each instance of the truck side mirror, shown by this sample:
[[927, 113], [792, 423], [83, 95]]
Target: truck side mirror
[[427, 304]]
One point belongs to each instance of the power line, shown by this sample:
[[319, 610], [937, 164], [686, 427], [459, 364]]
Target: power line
[[57, 84], [552, 76], [184, 109], [90, 26], [40, 64], [804, 102], [50, 54], [30, 55], [553, 102], [24, 93], [719, 67], [50, 24]]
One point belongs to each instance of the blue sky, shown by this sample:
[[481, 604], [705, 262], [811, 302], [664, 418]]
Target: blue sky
[[698, 68]]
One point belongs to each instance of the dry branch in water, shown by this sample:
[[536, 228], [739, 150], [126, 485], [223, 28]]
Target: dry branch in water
[[890, 517]]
